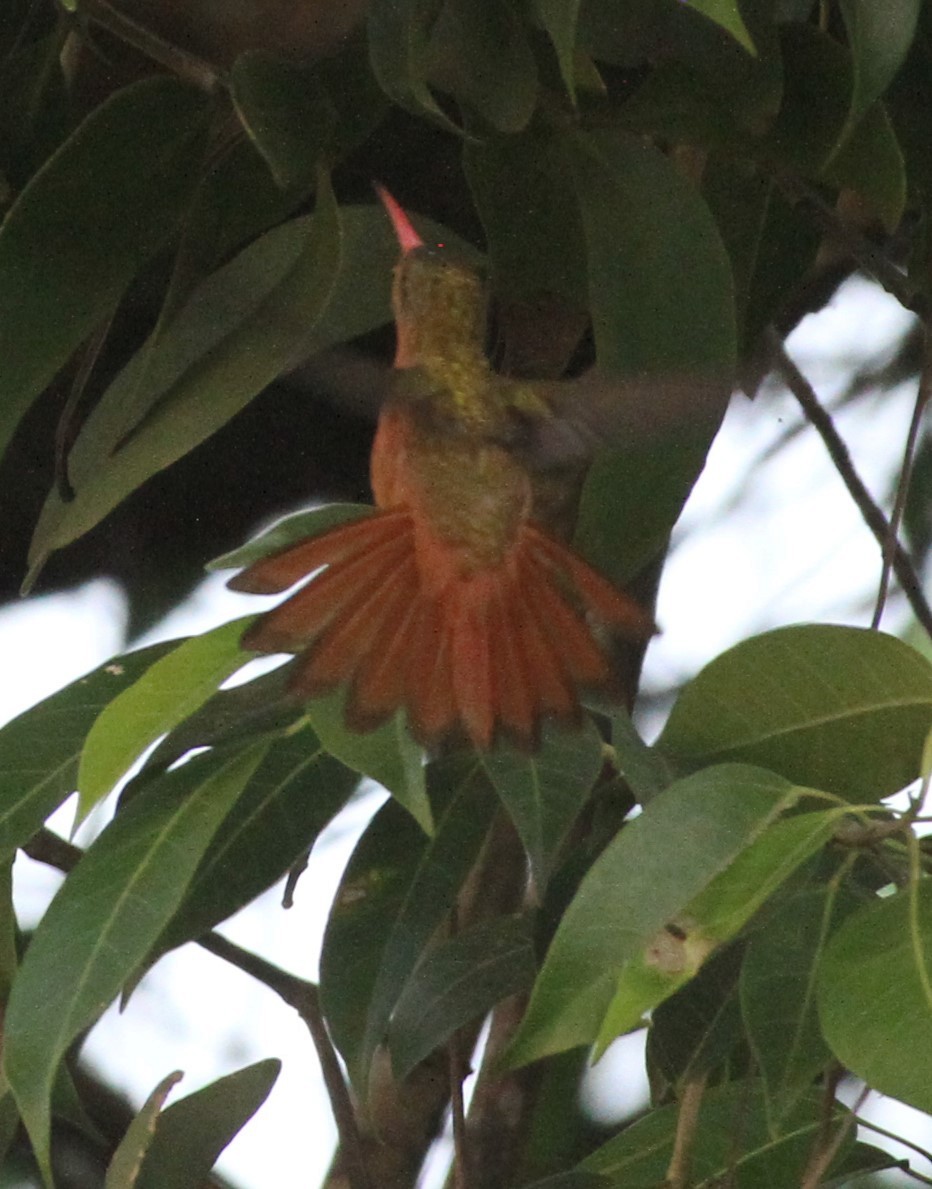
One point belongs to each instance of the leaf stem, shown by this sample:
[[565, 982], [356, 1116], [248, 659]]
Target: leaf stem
[[687, 1124], [872, 514]]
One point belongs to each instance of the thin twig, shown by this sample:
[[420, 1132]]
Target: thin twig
[[870, 258], [687, 1124], [824, 1154], [47, 847], [872, 514], [906, 471], [185, 65]]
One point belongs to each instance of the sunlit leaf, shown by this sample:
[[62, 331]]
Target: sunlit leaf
[[166, 693], [836, 708]]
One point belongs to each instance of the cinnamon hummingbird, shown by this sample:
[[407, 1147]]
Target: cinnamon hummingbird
[[450, 601]]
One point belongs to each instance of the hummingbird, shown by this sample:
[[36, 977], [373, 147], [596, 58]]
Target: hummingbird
[[451, 600]]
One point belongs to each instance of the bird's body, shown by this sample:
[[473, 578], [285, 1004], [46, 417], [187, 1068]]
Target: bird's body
[[449, 601]]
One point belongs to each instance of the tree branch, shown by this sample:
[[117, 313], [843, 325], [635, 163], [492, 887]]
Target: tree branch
[[873, 516]]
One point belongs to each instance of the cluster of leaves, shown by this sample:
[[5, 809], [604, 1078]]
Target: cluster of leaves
[[643, 163]]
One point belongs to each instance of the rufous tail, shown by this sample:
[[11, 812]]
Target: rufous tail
[[498, 649]]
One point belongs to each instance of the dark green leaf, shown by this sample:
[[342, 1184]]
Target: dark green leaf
[[871, 164], [39, 750], [529, 210], [288, 531], [879, 38], [387, 755], [168, 691], [727, 14], [290, 797], [124, 1167], [193, 1132], [105, 918], [699, 1028], [286, 113], [633, 890], [460, 980], [479, 52], [732, 1144], [241, 328], [79, 232], [644, 768], [652, 312], [875, 998], [545, 792], [836, 708], [395, 894], [559, 18], [778, 992], [399, 33]]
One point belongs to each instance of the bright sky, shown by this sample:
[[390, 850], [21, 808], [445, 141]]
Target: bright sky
[[791, 547]]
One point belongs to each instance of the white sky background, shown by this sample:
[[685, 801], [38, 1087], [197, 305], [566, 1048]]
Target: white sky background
[[793, 547]]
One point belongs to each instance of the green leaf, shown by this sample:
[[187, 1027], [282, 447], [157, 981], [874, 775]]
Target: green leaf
[[645, 769], [399, 34], [123, 1169], [731, 1143], [727, 14], [698, 1029], [479, 52], [193, 1132], [459, 981], [530, 214], [105, 918], [169, 690], [559, 18], [39, 749], [879, 38], [387, 755], [241, 328], [292, 795], [875, 998], [99, 208], [871, 164], [286, 112], [545, 792], [836, 708], [288, 531], [394, 896], [778, 985], [634, 890], [678, 950], [642, 220]]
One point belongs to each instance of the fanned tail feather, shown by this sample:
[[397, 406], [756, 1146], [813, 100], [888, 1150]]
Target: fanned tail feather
[[485, 651]]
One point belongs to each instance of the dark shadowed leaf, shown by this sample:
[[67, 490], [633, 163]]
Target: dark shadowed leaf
[[545, 792], [732, 1144], [39, 749], [399, 33], [662, 301], [559, 19], [105, 918], [397, 890], [89, 219], [458, 981], [192, 1132], [879, 39], [836, 708]]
